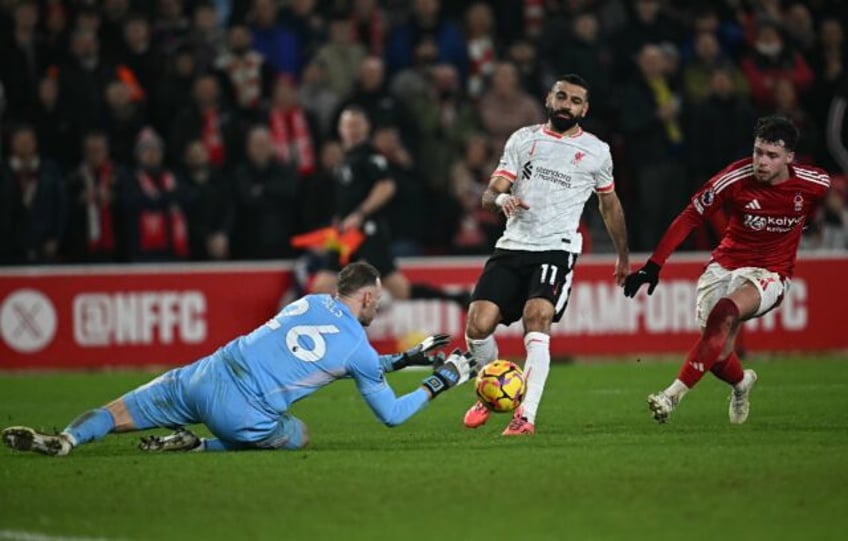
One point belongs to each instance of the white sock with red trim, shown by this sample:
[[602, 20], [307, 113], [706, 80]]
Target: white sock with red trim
[[536, 369]]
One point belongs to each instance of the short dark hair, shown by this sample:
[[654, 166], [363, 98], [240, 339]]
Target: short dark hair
[[355, 276], [574, 79], [777, 129]]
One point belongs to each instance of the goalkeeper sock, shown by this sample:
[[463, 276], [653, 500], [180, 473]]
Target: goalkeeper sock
[[91, 425], [706, 350], [484, 350], [536, 370], [729, 370]]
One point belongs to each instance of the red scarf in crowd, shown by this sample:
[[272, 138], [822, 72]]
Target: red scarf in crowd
[[290, 131], [99, 225], [159, 229], [245, 73], [212, 137]]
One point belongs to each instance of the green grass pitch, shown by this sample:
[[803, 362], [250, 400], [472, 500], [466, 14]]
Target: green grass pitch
[[598, 468]]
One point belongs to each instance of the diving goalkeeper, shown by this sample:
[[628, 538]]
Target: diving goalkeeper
[[243, 391]]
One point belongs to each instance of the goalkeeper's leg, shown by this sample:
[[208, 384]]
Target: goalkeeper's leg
[[286, 432]]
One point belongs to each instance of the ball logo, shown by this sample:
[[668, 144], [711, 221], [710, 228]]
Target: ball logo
[[27, 321], [708, 197]]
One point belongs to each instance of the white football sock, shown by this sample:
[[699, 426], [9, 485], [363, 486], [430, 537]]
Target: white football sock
[[485, 350], [676, 390], [536, 369]]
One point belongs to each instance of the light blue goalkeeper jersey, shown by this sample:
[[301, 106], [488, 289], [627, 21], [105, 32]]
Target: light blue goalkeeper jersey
[[307, 345]]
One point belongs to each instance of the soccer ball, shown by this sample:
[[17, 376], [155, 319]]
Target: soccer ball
[[500, 386]]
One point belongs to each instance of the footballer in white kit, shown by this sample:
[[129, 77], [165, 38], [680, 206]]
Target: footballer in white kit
[[546, 175]]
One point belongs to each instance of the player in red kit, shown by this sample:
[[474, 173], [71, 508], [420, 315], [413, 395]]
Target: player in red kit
[[769, 200]]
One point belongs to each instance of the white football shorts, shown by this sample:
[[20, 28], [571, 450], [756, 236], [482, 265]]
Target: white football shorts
[[717, 282]]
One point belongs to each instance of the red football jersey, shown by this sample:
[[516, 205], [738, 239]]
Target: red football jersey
[[765, 221]]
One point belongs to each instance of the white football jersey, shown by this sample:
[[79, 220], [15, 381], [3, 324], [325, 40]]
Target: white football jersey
[[554, 175]]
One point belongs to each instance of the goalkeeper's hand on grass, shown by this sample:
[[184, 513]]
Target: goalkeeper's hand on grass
[[648, 274], [417, 355], [455, 370]]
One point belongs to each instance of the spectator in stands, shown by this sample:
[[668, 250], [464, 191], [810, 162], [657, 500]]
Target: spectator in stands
[[316, 194], [698, 73], [115, 14], [413, 83], [83, 81], [249, 75], [342, 57], [210, 210], [772, 59], [124, 120], [278, 45], [405, 214], [381, 107], [723, 111], [587, 52], [836, 131], [478, 228], [170, 27], [206, 38], [208, 120], [33, 203], [56, 33], [302, 18], [426, 21], [52, 123], [174, 92], [267, 209], [830, 64], [809, 149], [154, 214], [834, 224], [505, 106], [480, 43], [318, 98], [800, 30], [523, 54], [651, 124], [444, 120], [139, 55], [22, 62], [370, 25], [94, 203], [648, 25], [292, 131], [705, 19]]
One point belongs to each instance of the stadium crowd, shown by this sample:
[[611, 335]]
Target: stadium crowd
[[169, 130]]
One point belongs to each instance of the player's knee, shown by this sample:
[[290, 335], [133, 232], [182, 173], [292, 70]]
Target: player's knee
[[479, 324], [723, 317], [538, 316], [294, 436]]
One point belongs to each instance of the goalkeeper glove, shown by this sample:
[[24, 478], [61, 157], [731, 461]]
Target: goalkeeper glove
[[455, 370], [648, 274], [417, 355]]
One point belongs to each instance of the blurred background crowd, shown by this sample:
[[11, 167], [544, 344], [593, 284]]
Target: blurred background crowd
[[171, 130]]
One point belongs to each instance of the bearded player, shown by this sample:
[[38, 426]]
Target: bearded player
[[769, 200], [546, 175]]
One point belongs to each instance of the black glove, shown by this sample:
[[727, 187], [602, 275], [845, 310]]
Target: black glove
[[417, 355], [455, 370], [648, 274]]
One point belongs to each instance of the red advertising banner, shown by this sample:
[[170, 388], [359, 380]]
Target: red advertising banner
[[98, 316]]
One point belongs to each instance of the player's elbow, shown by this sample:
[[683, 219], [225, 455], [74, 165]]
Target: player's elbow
[[391, 418]]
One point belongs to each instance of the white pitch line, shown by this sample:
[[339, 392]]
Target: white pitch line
[[20, 535]]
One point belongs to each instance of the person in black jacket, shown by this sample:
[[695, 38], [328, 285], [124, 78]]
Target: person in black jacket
[[265, 194]]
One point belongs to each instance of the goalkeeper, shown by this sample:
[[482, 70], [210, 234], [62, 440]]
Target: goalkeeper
[[243, 392]]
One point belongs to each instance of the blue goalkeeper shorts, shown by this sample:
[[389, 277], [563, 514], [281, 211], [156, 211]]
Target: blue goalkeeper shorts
[[203, 392]]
